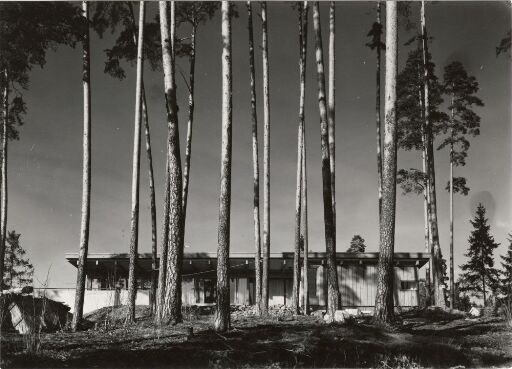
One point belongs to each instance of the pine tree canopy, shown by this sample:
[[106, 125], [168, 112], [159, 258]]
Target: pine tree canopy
[[504, 46], [460, 87], [114, 14], [29, 30], [410, 90], [357, 245]]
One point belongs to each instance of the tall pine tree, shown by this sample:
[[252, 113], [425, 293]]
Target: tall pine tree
[[479, 275], [461, 89]]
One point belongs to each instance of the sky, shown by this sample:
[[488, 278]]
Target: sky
[[45, 165]]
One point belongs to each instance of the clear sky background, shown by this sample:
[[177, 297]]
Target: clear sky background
[[45, 165]]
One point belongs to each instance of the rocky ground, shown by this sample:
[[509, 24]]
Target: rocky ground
[[419, 339]]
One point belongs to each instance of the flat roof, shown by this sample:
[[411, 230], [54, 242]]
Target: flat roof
[[420, 257], [205, 263]]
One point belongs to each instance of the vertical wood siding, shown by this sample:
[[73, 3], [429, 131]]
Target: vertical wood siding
[[357, 283]]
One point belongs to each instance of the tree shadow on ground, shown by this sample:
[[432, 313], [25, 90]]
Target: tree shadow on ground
[[300, 343]]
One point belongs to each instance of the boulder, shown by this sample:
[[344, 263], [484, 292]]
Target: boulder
[[318, 313], [353, 312], [475, 312], [339, 316]]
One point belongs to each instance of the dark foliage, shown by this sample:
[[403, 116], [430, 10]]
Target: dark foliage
[[460, 89], [357, 245], [18, 271], [29, 30], [112, 15], [410, 89], [504, 46], [411, 181], [459, 186], [375, 33], [479, 275], [506, 273]]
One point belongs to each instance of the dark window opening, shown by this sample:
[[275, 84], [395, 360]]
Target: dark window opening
[[409, 285]]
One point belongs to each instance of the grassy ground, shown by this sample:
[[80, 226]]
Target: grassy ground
[[418, 340]]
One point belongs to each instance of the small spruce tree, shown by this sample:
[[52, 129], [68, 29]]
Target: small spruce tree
[[479, 275], [18, 270], [506, 273]]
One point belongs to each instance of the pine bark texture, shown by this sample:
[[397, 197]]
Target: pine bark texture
[[222, 314], [190, 124], [331, 95], [255, 163], [152, 204], [377, 111], [330, 246], [164, 245], [452, 276], [304, 235], [304, 218], [298, 208], [426, 209], [3, 169], [385, 269], [171, 311], [432, 207], [132, 272], [266, 162], [426, 190], [86, 179], [5, 111], [151, 178]]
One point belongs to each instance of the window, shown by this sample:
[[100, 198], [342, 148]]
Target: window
[[408, 285], [209, 291]]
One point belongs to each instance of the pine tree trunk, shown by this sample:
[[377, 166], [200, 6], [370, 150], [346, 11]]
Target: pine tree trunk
[[426, 208], [255, 164], [3, 169], [266, 162], [330, 247], [377, 112], [484, 292], [331, 94], [152, 201], [452, 282], [304, 217], [298, 188], [188, 147], [3, 176], [132, 272], [384, 305], [86, 180], [426, 187], [151, 177], [171, 311], [433, 224], [164, 246], [222, 314], [5, 142], [298, 205]]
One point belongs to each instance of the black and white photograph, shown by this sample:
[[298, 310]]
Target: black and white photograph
[[258, 184]]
